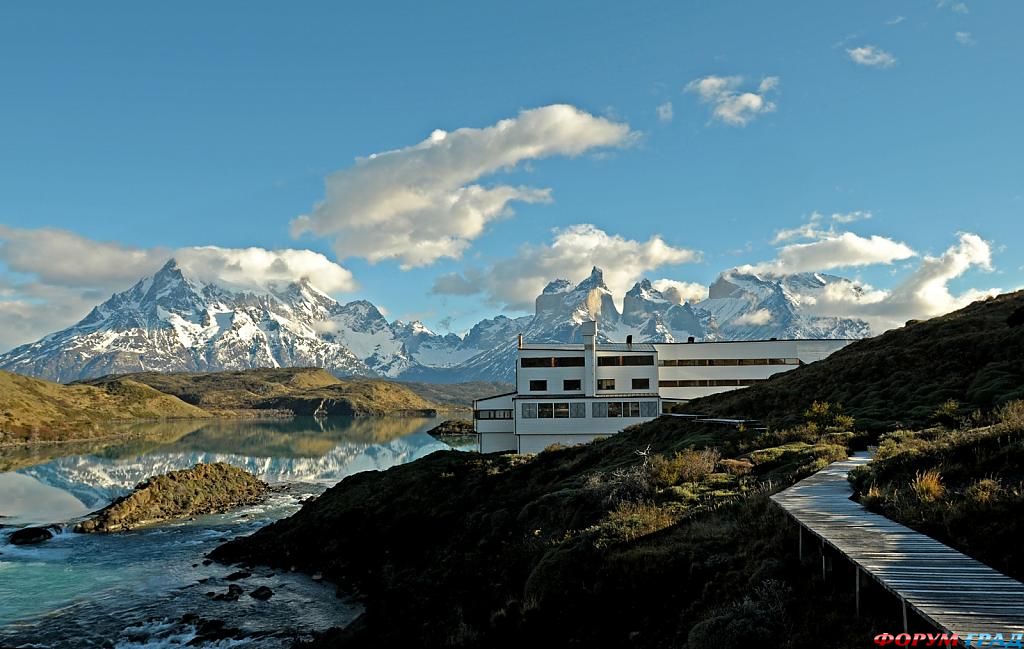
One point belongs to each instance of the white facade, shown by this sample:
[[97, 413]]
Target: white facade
[[574, 393]]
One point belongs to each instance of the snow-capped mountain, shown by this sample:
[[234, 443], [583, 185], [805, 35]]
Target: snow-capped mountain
[[173, 322]]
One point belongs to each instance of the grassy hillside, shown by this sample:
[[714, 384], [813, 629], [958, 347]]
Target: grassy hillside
[[459, 394], [300, 390], [900, 378], [36, 410], [660, 536]]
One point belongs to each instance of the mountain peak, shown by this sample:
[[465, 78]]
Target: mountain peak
[[594, 280]]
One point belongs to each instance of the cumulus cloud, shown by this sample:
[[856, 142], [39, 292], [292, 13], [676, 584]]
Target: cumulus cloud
[[423, 202], [731, 105], [955, 7], [964, 38], [755, 318], [53, 277], [833, 250], [665, 112], [925, 293], [871, 56], [895, 20], [515, 282], [680, 292]]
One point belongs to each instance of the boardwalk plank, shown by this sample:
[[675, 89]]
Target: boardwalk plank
[[952, 591]]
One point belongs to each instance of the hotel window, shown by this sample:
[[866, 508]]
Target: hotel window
[[529, 410], [546, 410], [606, 384], [614, 408], [578, 409], [627, 361], [600, 409], [552, 361], [631, 409], [625, 409], [494, 414], [538, 386], [641, 384], [648, 408], [561, 410], [568, 385]]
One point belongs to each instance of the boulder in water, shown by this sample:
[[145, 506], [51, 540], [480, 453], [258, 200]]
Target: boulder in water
[[262, 593], [30, 535]]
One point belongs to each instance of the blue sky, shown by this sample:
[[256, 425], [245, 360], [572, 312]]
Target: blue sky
[[194, 124]]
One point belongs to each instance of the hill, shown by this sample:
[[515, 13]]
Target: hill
[[31, 409], [659, 536], [900, 378], [300, 390]]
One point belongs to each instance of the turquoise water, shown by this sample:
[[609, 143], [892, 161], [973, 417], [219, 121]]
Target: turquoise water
[[147, 587]]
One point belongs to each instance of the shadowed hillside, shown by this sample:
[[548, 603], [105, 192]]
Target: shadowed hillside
[[660, 536]]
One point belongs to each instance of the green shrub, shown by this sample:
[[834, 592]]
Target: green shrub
[[630, 521], [948, 414], [1011, 415], [737, 467]]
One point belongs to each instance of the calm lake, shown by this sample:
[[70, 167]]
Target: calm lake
[[144, 588]]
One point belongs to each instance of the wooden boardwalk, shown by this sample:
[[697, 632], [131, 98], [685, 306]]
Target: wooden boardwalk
[[948, 589]]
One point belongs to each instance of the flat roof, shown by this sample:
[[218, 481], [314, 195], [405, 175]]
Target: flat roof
[[650, 347]]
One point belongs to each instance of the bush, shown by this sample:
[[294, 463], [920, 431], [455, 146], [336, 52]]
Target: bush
[[824, 416], [983, 492], [948, 414], [630, 484], [737, 467], [927, 486], [684, 466], [1011, 415], [630, 521]]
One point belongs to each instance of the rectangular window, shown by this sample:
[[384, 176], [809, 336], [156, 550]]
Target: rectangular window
[[614, 408], [753, 361], [568, 385], [721, 362], [529, 410], [545, 410], [648, 408], [538, 386], [600, 409], [578, 409], [606, 384], [641, 384], [608, 361], [633, 408], [568, 361], [535, 362], [637, 361], [668, 384], [493, 414], [561, 410]]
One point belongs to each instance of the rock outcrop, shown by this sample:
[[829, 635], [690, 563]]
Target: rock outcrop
[[203, 489]]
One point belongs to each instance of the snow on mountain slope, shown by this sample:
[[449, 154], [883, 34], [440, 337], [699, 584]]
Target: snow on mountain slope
[[171, 322]]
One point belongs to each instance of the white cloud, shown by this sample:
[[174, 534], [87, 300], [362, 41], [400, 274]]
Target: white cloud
[[964, 38], [895, 20], [872, 56], [55, 276], [925, 293], [665, 112], [516, 281], [955, 7], [728, 103], [833, 250], [421, 203], [754, 318], [680, 292], [813, 228]]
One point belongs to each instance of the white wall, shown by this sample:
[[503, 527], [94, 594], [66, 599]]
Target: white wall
[[537, 443]]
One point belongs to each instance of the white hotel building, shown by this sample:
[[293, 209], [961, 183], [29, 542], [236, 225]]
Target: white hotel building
[[573, 393]]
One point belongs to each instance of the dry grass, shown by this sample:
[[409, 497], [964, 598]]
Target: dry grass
[[927, 486], [684, 466]]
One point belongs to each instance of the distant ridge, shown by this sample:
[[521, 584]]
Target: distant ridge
[[174, 322]]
